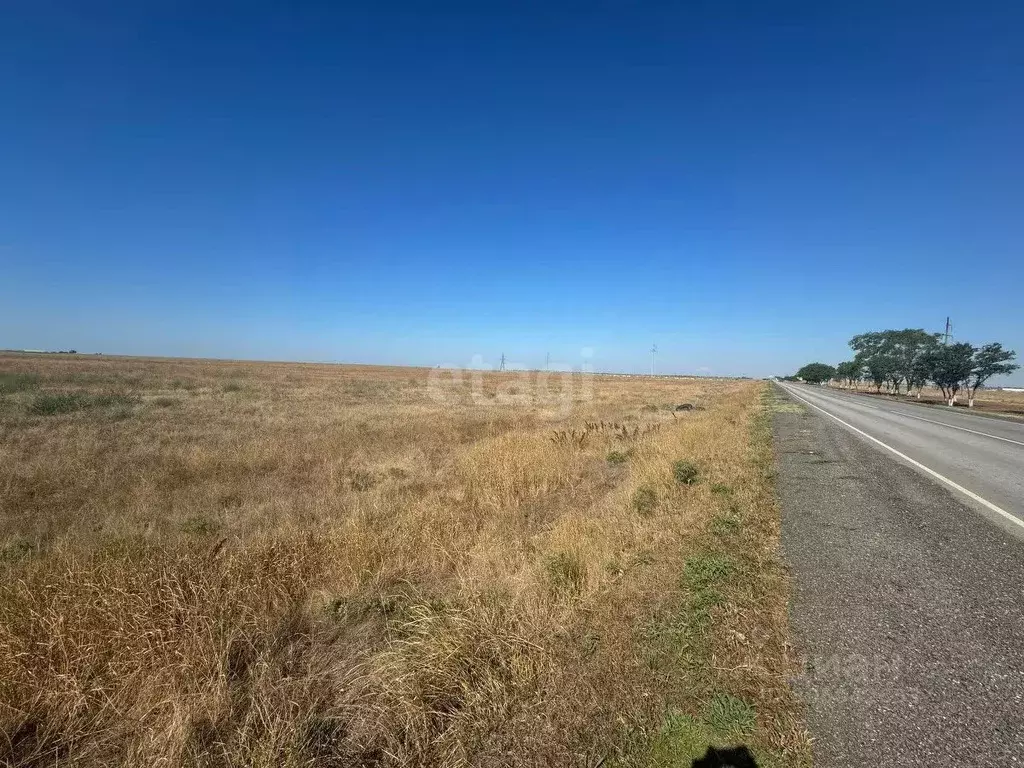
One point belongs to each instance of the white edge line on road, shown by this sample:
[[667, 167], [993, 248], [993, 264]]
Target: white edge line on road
[[940, 423], [956, 486]]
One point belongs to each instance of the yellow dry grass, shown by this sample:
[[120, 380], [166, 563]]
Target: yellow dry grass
[[217, 563]]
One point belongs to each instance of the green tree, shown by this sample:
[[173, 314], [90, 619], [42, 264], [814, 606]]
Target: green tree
[[879, 368], [921, 371], [918, 344], [949, 367], [874, 356], [816, 373], [905, 347], [850, 372], [990, 360], [889, 356]]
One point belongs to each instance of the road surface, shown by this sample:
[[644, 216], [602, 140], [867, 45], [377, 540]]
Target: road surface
[[908, 588], [981, 455]]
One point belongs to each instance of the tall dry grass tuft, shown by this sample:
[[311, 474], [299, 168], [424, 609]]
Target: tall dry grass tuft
[[276, 564]]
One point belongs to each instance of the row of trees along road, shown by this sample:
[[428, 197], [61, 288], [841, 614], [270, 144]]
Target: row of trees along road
[[913, 357]]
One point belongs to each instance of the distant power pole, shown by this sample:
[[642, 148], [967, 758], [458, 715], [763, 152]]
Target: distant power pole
[[654, 351], [547, 361], [501, 367], [948, 333]]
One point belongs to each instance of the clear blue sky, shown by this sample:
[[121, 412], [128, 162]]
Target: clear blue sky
[[745, 184]]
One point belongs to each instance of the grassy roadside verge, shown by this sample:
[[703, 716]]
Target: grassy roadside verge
[[722, 634]]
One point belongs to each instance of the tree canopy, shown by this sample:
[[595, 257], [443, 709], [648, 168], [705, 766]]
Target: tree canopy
[[914, 357], [816, 373], [988, 361], [949, 367]]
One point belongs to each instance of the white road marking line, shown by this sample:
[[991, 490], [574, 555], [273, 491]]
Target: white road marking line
[[956, 486], [940, 423]]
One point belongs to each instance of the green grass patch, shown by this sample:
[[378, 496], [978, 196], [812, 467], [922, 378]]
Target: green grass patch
[[685, 472], [729, 715], [707, 570], [644, 501], [18, 382], [617, 457], [53, 404], [680, 633], [566, 573], [682, 738], [57, 403], [725, 524]]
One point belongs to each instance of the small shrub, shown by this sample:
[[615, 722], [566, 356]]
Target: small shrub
[[685, 472], [645, 500], [17, 382], [164, 402], [618, 457], [566, 573], [52, 404], [721, 489]]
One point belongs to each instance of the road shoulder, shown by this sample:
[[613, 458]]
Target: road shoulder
[[907, 606]]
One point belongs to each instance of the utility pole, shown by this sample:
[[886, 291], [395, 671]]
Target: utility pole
[[654, 351], [948, 333], [547, 361], [501, 367]]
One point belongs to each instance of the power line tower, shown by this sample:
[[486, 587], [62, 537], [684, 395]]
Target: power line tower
[[948, 333], [501, 366], [654, 351]]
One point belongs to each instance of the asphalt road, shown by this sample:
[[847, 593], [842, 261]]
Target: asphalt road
[[982, 455], [908, 595]]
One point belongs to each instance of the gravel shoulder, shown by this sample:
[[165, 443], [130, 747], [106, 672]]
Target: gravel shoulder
[[908, 606]]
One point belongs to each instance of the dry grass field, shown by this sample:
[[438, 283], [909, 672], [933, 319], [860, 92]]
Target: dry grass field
[[994, 401], [217, 563]]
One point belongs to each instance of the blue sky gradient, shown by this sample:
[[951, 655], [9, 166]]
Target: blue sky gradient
[[745, 184]]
